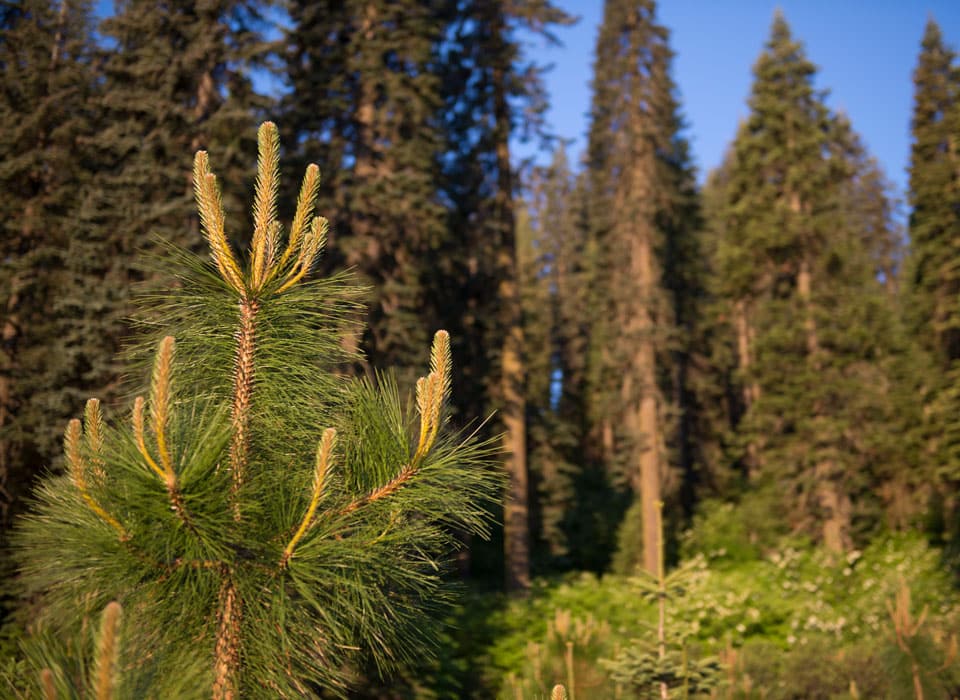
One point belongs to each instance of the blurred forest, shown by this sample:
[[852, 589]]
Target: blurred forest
[[773, 355]]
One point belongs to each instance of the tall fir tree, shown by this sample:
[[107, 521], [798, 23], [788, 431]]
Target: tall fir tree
[[550, 239], [934, 272], [364, 101], [172, 79], [933, 266], [489, 94], [814, 331], [642, 216], [48, 81]]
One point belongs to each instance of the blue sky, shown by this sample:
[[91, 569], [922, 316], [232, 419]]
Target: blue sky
[[866, 51]]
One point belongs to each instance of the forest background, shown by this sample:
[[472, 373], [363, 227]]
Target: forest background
[[772, 350]]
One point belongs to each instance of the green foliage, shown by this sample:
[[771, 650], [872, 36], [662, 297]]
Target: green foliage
[[809, 341], [734, 533], [46, 62], [252, 551], [768, 618], [660, 664]]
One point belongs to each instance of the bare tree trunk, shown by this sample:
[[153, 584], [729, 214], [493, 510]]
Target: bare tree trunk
[[512, 404], [639, 389], [644, 363]]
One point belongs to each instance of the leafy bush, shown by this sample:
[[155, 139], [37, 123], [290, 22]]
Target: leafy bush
[[770, 619]]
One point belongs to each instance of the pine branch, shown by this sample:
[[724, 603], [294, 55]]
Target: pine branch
[[93, 437], [324, 452], [302, 218], [310, 248], [76, 467], [108, 647], [432, 390], [160, 390], [139, 435], [243, 377], [46, 681], [227, 651], [210, 206]]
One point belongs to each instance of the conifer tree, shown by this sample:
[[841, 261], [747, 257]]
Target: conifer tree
[[486, 84], [814, 332], [550, 281], [259, 515], [45, 62], [171, 81], [934, 272], [640, 211], [933, 265], [363, 104]]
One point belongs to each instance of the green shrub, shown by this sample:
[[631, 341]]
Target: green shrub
[[772, 618]]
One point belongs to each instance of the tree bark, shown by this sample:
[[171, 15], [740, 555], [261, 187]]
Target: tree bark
[[645, 410], [639, 390], [511, 389]]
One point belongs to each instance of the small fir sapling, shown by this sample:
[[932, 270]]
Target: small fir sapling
[[663, 668], [265, 520]]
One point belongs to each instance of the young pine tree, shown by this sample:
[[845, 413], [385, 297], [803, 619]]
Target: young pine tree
[[262, 518]]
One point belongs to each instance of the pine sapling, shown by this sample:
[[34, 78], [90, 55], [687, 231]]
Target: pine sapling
[[265, 520], [663, 668]]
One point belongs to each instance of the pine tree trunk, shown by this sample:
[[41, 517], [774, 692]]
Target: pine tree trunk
[[512, 407], [745, 335], [228, 647], [647, 423]]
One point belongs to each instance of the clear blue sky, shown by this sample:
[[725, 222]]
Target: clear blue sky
[[865, 49]]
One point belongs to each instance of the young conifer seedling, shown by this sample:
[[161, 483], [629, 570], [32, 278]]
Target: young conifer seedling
[[261, 518]]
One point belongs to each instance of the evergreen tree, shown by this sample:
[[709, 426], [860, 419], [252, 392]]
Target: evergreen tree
[[934, 274], [815, 333], [642, 215], [363, 104], [45, 60], [933, 266], [170, 82], [486, 89], [549, 242], [260, 514]]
